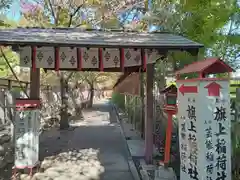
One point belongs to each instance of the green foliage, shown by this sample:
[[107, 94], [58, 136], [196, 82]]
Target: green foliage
[[11, 56], [36, 18], [112, 23], [118, 99], [235, 150], [234, 84], [204, 22], [67, 14], [5, 4], [201, 21]]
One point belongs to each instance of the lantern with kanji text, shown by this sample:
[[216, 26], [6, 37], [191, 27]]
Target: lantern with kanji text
[[170, 107], [170, 98]]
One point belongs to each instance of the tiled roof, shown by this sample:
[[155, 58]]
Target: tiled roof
[[87, 38], [206, 65]]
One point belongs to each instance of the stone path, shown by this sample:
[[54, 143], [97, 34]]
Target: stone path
[[94, 149]]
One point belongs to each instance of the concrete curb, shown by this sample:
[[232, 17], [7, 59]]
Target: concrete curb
[[131, 164], [121, 129]]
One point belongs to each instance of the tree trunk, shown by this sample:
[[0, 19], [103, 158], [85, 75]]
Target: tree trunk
[[64, 124], [77, 103], [160, 103], [78, 110], [91, 95]]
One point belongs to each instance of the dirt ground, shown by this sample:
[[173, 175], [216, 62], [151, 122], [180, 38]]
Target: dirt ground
[[91, 149]]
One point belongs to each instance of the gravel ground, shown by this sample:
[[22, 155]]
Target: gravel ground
[[92, 149]]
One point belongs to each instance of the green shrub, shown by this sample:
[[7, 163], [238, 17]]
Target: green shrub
[[118, 99]]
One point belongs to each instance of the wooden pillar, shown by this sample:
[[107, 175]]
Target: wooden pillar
[[149, 114], [134, 112], [131, 109], [35, 84], [8, 113], [125, 103], [142, 104], [26, 87], [8, 110]]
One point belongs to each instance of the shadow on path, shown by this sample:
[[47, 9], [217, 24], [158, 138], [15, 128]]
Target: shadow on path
[[92, 149]]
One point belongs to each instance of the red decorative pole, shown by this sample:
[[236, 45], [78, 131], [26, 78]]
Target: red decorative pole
[[167, 151], [56, 58], [34, 53], [122, 58], [79, 58], [100, 55], [170, 108]]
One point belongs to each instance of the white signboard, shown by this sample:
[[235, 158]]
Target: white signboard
[[204, 130], [27, 138]]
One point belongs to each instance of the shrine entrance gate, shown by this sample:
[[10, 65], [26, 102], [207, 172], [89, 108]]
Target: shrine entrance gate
[[71, 49]]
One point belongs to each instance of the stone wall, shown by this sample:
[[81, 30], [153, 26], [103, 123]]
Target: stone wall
[[6, 148], [6, 125]]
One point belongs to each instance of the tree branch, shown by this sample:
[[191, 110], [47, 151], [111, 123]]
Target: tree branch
[[69, 76], [14, 74], [69, 25], [73, 14], [53, 13], [124, 20], [118, 10]]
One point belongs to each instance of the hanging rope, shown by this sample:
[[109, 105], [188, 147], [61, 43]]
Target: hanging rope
[[14, 74]]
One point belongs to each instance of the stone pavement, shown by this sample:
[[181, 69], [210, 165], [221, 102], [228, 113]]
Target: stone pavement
[[93, 149], [136, 148]]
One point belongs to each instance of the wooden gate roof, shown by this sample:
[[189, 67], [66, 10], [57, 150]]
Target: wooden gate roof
[[94, 38], [209, 65], [129, 84]]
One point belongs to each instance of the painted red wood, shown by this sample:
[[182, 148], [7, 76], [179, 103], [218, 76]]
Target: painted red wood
[[213, 89], [100, 59], [57, 58], [34, 53], [144, 60], [122, 58], [79, 58], [206, 66], [188, 89]]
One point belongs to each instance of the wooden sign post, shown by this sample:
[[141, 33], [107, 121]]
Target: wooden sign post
[[27, 123], [204, 122]]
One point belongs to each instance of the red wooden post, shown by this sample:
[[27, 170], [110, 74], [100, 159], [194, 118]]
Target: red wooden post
[[57, 58], [100, 59], [34, 58], [167, 151], [79, 57], [170, 108], [35, 84], [122, 58]]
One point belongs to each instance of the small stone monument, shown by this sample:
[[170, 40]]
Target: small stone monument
[[164, 173]]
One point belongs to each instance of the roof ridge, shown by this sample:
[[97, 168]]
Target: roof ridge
[[98, 30]]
